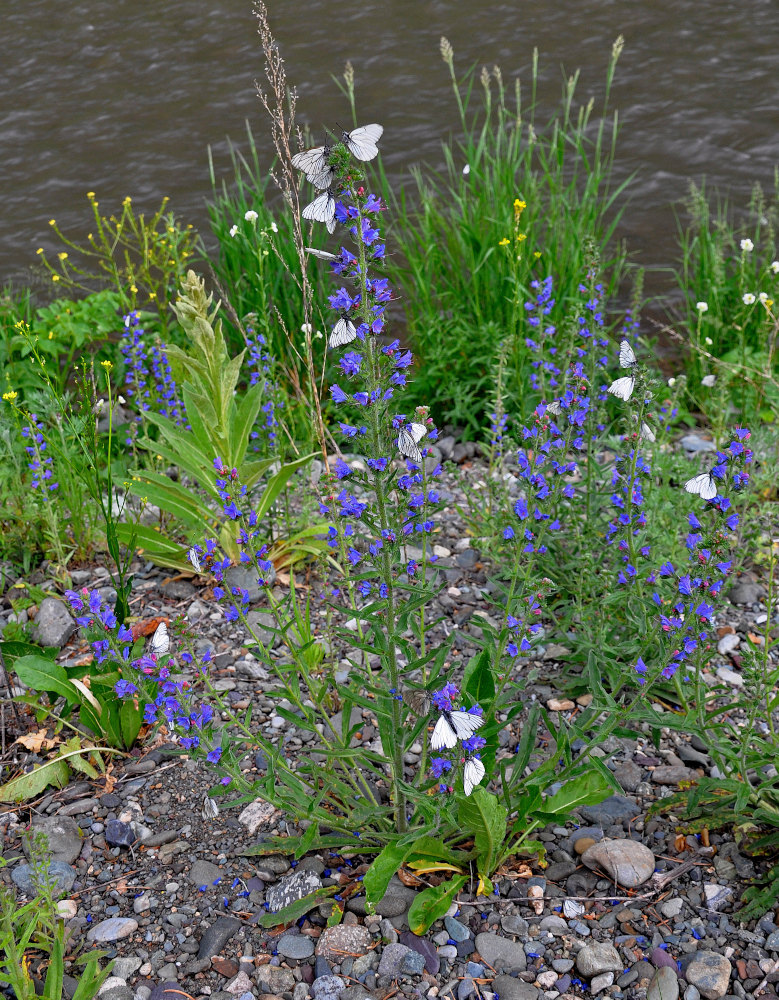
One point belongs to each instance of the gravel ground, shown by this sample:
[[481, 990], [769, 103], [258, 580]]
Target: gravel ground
[[624, 908]]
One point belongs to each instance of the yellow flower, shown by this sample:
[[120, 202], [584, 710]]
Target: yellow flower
[[39, 250], [62, 256], [519, 204], [152, 295], [133, 289], [52, 222], [521, 237], [51, 335], [536, 254], [504, 243], [107, 365], [10, 396], [55, 277], [128, 200], [90, 195]]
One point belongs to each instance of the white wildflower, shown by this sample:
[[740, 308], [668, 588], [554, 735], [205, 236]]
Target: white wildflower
[[763, 296], [708, 341], [702, 307], [273, 227], [775, 266], [234, 231], [466, 169], [306, 328], [251, 216], [747, 245], [747, 298], [672, 381]]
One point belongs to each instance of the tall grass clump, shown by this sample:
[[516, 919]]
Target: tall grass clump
[[517, 200]]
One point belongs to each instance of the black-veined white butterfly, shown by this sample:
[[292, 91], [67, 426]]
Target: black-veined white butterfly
[[194, 558], [623, 387], [361, 142], [210, 809], [322, 254], [409, 437], [554, 408], [454, 726], [344, 332], [159, 644], [704, 485], [646, 433], [473, 772], [708, 380], [322, 209], [315, 163]]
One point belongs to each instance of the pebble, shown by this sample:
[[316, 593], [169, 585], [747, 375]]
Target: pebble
[[673, 774], [601, 982], [257, 814], [501, 953], [664, 985], [297, 946], [63, 836], [671, 908], [113, 929], [62, 875], [426, 949], [730, 677], [53, 623], [413, 963], [772, 941], [290, 888], [710, 973], [343, 939], [509, 988], [455, 930], [392, 960], [204, 873], [717, 896], [274, 979], [240, 985], [728, 643], [327, 987], [217, 935], [119, 834], [596, 957], [613, 810], [629, 775], [626, 861]]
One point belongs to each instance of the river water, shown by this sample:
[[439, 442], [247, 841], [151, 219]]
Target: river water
[[123, 98]]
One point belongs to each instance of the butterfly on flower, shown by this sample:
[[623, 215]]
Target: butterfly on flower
[[344, 332], [704, 485], [473, 772], [194, 558], [361, 142], [409, 437], [159, 644], [623, 387], [322, 209], [453, 726]]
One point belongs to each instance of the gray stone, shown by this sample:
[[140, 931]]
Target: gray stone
[[245, 577], [596, 957], [696, 444], [392, 959], [772, 941], [456, 931], [466, 988], [119, 834], [509, 988], [671, 908], [217, 935], [501, 953], [692, 993], [601, 982], [336, 943], [394, 903], [562, 965], [728, 643], [274, 979], [555, 925], [673, 774], [327, 988], [297, 946], [612, 811], [746, 592], [514, 924], [260, 621], [716, 896], [117, 991], [448, 951], [710, 973], [413, 963], [204, 873], [53, 623], [113, 929], [664, 985], [628, 774], [240, 985], [63, 836], [626, 861], [258, 814], [125, 967], [61, 876], [425, 949]]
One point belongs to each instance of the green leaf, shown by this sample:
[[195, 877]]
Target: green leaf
[[377, 878], [478, 681], [298, 909], [40, 674], [431, 904], [278, 481], [28, 786], [13, 649], [586, 789], [130, 719], [482, 815]]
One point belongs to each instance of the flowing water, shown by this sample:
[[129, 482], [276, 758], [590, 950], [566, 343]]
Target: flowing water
[[123, 98]]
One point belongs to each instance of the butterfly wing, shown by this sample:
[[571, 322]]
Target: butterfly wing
[[362, 141], [443, 735], [473, 772], [626, 356], [408, 441], [554, 408], [194, 558], [465, 724], [159, 644], [622, 388], [344, 332], [321, 254], [314, 163], [703, 485], [210, 809], [708, 380], [322, 209], [647, 434]]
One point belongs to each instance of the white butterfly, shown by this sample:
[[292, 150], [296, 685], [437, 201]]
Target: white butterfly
[[708, 380], [704, 485], [409, 437], [322, 254], [554, 408], [361, 142], [315, 163], [194, 558], [473, 772], [159, 644], [454, 726], [322, 209], [344, 332], [646, 433], [210, 809], [623, 388]]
